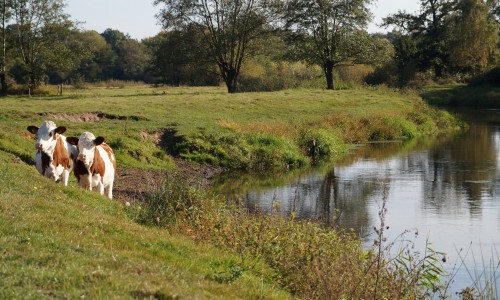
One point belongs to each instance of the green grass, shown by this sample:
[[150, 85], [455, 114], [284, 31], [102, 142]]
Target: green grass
[[239, 131], [460, 95], [59, 242]]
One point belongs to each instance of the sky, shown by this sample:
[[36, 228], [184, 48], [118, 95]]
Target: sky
[[137, 17]]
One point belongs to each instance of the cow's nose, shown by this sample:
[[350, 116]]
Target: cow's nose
[[82, 156]]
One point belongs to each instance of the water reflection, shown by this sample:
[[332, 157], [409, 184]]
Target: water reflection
[[447, 188]]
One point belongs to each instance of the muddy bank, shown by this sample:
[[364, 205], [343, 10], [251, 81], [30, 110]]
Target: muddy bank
[[133, 184]]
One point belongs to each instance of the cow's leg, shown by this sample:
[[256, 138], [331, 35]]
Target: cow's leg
[[85, 182], [110, 191], [100, 187], [65, 177]]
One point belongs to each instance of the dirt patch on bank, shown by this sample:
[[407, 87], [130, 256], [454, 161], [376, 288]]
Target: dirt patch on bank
[[88, 117], [132, 185], [166, 138]]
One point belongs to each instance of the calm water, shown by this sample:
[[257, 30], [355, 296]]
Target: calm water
[[447, 189]]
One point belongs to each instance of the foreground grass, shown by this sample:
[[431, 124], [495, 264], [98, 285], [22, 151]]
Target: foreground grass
[[65, 243], [245, 131]]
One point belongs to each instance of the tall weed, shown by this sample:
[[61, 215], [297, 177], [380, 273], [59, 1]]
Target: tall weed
[[311, 261]]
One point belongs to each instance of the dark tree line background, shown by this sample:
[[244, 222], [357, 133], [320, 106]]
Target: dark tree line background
[[253, 45]]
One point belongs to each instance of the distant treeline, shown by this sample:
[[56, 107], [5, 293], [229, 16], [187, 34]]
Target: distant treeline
[[253, 45]]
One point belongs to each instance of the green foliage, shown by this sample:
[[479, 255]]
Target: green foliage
[[232, 30], [424, 270], [328, 34], [216, 149], [474, 37], [311, 261], [272, 152], [320, 144], [248, 152]]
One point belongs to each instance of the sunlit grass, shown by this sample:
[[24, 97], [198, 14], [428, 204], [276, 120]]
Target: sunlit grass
[[132, 114], [62, 242]]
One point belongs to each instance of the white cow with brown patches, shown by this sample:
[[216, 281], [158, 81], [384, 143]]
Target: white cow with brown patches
[[54, 157], [96, 164]]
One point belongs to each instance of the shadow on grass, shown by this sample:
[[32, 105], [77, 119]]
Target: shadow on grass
[[479, 97]]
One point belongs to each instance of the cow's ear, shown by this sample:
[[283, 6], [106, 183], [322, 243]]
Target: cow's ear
[[99, 140], [72, 140], [60, 129], [33, 129]]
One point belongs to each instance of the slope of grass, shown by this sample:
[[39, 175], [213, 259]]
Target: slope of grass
[[239, 131], [459, 95], [59, 242]]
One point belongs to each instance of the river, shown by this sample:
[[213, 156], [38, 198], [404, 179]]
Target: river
[[446, 189]]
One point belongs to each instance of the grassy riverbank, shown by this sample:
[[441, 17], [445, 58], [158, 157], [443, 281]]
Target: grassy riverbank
[[65, 243], [460, 95], [248, 131], [62, 242], [178, 242]]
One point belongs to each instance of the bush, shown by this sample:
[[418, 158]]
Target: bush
[[262, 75], [229, 151], [320, 144], [271, 152], [254, 151]]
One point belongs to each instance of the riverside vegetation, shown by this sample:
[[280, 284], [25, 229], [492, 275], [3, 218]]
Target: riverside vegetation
[[64, 242]]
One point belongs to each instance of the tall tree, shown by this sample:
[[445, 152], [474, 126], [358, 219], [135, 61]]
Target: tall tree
[[474, 37], [6, 14], [428, 29], [37, 24], [134, 58], [101, 58], [231, 29], [329, 32], [174, 52]]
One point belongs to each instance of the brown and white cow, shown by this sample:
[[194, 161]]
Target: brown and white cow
[[96, 164], [54, 156]]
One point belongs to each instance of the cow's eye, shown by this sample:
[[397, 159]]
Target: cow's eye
[[51, 134]]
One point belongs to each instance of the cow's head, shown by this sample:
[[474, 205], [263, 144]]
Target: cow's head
[[86, 147], [46, 136]]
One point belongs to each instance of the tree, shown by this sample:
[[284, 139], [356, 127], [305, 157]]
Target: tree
[[474, 37], [6, 14], [101, 57], [330, 32], [428, 30], [133, 59], [37, 26], [230, 29], [178, 58]]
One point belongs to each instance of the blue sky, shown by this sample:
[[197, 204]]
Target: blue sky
[[137, 17]]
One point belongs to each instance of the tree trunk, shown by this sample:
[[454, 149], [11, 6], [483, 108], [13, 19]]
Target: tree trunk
[[3, 82], [328, 69], [3, 75], [230, 77], [438, 70]]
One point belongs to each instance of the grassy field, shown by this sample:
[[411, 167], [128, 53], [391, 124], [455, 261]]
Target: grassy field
[[241, 131], [61, 242]]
